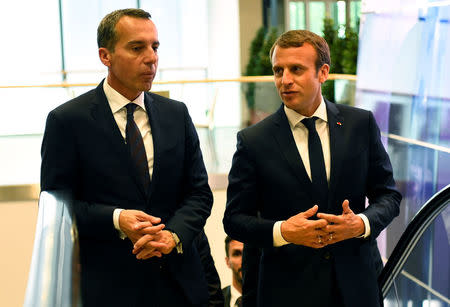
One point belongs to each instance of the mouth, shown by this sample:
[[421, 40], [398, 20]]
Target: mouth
[[148, 75], [289, 93]]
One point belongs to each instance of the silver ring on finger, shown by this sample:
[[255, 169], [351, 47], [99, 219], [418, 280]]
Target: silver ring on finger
[[319, 239]]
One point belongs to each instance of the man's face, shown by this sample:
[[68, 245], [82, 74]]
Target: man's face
[[234, 259], [297, 81], [133, 63]]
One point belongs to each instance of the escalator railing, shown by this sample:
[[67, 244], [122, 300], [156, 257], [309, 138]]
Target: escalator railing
[[421, 224], [54, 272]]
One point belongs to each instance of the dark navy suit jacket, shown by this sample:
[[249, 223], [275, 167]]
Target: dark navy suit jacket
[[268, 183], [84, 151]]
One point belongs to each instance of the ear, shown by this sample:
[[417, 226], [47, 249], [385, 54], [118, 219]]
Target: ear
[[105, 56], [323, 73], [227, 260]]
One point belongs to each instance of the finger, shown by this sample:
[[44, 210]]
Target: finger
[[150, 246], [146, 254], [151, 230], [142, 216], [330, 218], [346, 207], [141, 225], [332, 228], [153, 254], [310, 212], [141, 243], [318, 224]]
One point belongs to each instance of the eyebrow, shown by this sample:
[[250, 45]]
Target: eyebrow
[[139, 42]]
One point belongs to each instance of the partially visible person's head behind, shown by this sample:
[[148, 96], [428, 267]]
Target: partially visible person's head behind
[[233, 251], [107, 36], [296, 38]]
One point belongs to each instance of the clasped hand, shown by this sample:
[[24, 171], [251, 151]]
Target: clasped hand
[[327, 229], [147, 234]]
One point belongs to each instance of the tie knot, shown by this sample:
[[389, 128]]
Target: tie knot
[[130, 109], [310, 123]]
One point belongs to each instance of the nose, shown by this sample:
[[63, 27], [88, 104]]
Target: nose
[[150, 56], [286, 79]]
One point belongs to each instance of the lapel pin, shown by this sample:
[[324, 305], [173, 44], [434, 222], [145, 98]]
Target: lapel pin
[[339, 123]]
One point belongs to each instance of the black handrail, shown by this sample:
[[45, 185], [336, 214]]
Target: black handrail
[[421, 221]]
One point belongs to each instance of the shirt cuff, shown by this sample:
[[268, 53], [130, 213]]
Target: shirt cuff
[[116, 215], [366, 226], [278, 239]]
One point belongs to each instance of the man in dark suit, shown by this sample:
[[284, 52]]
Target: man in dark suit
[[133, 164], [233, 294], [317, 236]]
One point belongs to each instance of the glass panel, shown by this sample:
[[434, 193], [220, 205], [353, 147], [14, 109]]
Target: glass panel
[[80, 22], [316, 16], [355, 11], [338, 15], [297, 15], [410, 98], [425, 278]]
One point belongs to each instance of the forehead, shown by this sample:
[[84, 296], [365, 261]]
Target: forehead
[[131, 28], [306, 54], [236, 245]]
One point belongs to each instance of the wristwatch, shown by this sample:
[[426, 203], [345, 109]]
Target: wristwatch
[[178, 244]]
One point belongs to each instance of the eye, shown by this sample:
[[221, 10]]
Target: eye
[[136, 48], [277, 71]]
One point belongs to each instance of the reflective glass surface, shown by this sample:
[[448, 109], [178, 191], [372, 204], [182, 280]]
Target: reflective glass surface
[[425, 278]]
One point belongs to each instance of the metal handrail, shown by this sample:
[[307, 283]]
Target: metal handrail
[[51, 281], [411, 236], [244, 79]]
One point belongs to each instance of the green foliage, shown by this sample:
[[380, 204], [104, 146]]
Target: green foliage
[[259, 63], [255, 47], [350, 52], [265, 65], [343, 52]]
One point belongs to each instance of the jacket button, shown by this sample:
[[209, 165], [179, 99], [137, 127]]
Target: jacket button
[[327, 255]]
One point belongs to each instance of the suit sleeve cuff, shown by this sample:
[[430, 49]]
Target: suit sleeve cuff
[[366, 226], [278, 239], [116, 215]]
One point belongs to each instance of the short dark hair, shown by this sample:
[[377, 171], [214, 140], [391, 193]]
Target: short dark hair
[[296, 38], [227, 245], [107, 36]]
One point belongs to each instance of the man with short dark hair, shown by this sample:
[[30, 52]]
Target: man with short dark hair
[[133, 164], [233, 293], [298, 186]]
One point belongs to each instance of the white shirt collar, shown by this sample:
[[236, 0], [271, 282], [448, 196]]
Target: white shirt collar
[[235, 294], [117, 101], [294, 118]]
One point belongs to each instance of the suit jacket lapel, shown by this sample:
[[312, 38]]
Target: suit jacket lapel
[[154, 120], [102, 115], [337, 148], [286, 143]]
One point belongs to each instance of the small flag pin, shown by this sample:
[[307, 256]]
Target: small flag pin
[[339, 123]]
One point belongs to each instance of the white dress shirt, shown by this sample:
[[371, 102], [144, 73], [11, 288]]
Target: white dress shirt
[[300, 134], [235, 294], [117, 103]]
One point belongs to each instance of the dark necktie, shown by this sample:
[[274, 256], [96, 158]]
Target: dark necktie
[[136, 146], [238, 302], [318, 173]]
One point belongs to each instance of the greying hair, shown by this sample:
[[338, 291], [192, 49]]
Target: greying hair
[[296, 38], [107, 36]]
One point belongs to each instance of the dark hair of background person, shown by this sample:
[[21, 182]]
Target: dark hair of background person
[[296, 38], [227, 245], [106, 32]]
